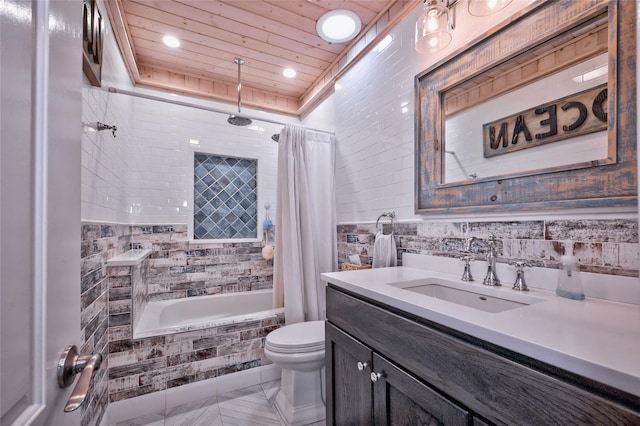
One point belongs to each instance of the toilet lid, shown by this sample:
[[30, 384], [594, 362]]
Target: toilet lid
[[300, 337]]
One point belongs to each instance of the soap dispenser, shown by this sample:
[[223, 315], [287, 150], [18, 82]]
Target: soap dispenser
[[569, 280]]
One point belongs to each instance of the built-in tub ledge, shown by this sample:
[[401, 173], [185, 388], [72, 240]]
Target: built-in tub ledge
[[129, 258]]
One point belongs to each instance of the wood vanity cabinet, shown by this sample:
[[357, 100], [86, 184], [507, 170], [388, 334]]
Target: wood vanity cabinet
[[395, 398], [426, 374]]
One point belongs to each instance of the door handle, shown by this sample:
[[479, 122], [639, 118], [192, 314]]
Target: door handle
[[69, 365]]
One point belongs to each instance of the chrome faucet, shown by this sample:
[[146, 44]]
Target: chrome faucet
[[467, 247], [491, 278]]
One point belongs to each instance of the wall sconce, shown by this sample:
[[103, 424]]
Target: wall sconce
[[434, 26]]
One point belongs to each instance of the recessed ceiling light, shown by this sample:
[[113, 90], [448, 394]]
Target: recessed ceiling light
[[338, 26], [171, 41], [289, 72]]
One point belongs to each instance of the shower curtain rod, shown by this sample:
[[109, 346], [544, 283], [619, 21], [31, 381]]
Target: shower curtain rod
[[202, 107]]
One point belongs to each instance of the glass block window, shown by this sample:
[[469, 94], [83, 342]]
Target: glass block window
[[225, 197]]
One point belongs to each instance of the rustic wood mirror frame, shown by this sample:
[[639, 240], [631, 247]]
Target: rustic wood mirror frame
[[599, 186]]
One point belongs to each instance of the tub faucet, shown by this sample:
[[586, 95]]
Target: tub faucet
[[491, 278]]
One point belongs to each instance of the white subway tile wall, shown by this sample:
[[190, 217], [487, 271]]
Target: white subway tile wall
[[166, 138], [145, 173], [374, 103], [105, 163], [374, 126]]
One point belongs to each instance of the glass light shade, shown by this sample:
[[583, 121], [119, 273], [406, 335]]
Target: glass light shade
[[486, 7], [433, 32]]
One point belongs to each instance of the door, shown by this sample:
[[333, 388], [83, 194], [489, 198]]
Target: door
[[40, 122], [349, 396], [401, 399]]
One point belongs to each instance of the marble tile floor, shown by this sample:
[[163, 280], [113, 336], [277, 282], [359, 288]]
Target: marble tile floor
[[252, 406]]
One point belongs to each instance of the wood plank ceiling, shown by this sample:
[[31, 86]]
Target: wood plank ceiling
[[268, 35]]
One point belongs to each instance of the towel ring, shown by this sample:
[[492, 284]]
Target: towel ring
[[391, 214]]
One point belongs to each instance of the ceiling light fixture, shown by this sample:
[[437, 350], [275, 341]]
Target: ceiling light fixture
[[289, 72], [437, 20], [338, 26], [171, 41]]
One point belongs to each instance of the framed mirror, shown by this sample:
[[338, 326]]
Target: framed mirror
[[539, 113]]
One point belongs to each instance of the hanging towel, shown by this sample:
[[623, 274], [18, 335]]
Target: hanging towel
[[384, 251]]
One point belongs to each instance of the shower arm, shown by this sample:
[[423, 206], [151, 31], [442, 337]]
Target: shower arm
[[239, 62]]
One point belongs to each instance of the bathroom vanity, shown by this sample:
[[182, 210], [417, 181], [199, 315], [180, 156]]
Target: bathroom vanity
[[396, 356]]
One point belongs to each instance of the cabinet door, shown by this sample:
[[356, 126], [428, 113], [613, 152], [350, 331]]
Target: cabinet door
[[400, 399], [349, 397]]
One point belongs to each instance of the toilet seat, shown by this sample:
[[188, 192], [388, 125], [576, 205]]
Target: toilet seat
[[302, 337]]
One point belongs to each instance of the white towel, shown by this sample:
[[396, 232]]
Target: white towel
[[384, 251]]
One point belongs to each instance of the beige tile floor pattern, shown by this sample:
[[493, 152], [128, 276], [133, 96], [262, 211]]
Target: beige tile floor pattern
[[252, 406]]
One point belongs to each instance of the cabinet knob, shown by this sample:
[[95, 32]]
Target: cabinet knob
[[362, 366], [375, 377]]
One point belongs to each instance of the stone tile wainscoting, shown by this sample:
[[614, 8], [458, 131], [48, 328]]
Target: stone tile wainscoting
[[601, 246], [179, 268], [176, 268], [99, 243]]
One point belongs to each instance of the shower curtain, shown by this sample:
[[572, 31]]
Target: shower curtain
[[305, 222]]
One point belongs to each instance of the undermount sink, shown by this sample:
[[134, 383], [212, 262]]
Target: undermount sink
[[464, 294]]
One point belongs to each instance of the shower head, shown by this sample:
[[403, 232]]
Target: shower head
[[237, 120], [276, 137], [233, 119]]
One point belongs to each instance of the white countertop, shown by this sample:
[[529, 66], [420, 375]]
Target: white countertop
[[598, 339]]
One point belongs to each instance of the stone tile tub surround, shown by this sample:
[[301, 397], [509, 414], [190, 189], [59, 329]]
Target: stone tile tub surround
[[100, 242], [141, 366], [132, 269], [182, 268], [605, 246]]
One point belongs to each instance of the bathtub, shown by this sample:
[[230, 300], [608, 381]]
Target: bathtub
[[195, 313]]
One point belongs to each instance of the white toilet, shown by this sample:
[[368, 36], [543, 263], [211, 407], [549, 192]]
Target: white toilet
[[299, 350]]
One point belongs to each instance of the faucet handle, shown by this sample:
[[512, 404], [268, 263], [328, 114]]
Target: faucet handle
[[520, 284], [466, 275], [520, 264]]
